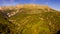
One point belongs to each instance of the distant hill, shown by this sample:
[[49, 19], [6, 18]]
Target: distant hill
[[29, 19]]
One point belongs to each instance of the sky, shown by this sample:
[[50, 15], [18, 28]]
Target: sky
[[55, 4]]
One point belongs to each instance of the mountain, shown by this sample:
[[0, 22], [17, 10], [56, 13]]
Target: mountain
[[29, 19]]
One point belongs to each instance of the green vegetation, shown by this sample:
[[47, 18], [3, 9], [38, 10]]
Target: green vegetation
[[30, 21]]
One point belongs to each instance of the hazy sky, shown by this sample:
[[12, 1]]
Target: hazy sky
[[51, 3]]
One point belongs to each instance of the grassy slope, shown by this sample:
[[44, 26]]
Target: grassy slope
[[37, 23]]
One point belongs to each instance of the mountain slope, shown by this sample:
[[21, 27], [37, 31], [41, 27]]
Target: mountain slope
[[32, 20], [45, 22]]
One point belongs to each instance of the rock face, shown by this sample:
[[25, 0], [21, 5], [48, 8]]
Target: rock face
[[29, 19]]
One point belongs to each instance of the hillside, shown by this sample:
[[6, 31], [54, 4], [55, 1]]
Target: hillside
[[30, 19]]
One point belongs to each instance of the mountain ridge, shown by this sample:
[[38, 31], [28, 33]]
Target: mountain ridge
[[24, 5], [21, 7]]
